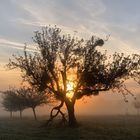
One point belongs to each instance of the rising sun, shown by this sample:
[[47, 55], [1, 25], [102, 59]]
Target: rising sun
[[70, 88]]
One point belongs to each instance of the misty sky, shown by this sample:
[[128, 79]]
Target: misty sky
[[118, 18]]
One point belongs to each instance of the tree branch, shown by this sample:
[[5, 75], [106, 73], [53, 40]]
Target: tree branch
[[52, 116]]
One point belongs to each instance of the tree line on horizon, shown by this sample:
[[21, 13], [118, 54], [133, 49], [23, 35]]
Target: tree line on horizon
[[14, 100], [62, 59]]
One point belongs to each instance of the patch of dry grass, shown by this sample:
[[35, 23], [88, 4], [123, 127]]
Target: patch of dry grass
[[92, 128]]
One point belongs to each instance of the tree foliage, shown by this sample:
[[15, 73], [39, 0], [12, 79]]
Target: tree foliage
[[32, 99], [12, 101], [20, 99], [61, 59]]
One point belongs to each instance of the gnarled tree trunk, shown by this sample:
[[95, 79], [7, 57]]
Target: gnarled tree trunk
[[71, 114]]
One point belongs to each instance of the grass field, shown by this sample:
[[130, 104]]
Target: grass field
[[91, 128]]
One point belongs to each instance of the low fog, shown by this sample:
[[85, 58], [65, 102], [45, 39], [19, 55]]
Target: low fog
[[103, 104], [106, 103]]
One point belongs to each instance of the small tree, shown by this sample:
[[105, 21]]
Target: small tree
[[136, 76], [136, 104], [70, 68], [32, 99], [12, 102]]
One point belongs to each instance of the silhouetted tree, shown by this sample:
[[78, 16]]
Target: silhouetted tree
[[136, 104], [70, 68], [12, 102], [32, 99]]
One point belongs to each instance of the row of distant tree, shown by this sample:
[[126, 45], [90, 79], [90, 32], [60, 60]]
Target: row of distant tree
[[19, 99]]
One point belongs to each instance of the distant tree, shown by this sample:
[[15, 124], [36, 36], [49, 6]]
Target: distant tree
[[12, 102], [32, 99], [70, 68], [136, 104], [6, 103]]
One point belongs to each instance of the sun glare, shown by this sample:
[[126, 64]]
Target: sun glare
[[70, 88]]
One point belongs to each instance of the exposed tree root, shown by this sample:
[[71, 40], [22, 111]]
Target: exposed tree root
[[52, 116]]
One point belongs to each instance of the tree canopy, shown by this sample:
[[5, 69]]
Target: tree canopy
[[31, 98], [69, 68], [12, 101], [23, 98]]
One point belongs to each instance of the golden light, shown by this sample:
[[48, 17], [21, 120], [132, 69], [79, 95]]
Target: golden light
[[70, 88]]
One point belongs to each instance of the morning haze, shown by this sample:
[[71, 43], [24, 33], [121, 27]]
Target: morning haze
[[63, 59]]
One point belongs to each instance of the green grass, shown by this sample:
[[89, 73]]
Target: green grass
[[91, 128]]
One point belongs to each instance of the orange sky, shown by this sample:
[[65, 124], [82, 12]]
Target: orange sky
[[119, 19], [9, 78], [106, 103]]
